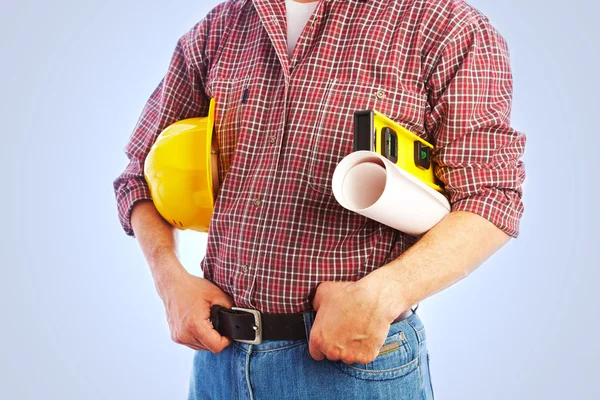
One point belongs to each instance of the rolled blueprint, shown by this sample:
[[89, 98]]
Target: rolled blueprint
[[369, 184]]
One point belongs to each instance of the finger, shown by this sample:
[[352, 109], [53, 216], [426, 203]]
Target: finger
[[210, 338], [333, 355], [190, 341], [313, 349], [315, 353], [195, 346]]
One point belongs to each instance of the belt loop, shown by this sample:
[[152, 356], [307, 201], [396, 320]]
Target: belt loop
[[309, 319]]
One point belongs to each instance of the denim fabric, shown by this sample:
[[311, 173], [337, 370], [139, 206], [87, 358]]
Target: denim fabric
[[284, 369]]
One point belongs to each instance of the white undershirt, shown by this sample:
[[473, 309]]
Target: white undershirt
[[297, 15]]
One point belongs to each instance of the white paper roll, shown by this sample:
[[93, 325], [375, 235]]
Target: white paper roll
[[370, 185]]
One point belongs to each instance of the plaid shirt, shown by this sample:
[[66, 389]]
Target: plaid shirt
[[437, 67]]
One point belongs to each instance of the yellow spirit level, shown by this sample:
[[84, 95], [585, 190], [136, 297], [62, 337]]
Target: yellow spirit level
[[375, 132]]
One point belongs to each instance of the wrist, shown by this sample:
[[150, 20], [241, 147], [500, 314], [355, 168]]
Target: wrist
[[168, 273], [391, 292]]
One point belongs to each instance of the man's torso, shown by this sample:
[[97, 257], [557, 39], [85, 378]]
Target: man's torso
[[283, 125]]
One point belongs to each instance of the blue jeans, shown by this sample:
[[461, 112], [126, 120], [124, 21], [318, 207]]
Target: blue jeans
[[284, 369]]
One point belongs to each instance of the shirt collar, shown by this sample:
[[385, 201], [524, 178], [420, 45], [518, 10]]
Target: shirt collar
[[240, 3]]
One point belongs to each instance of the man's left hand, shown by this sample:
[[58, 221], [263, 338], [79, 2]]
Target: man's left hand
[[352, 320]]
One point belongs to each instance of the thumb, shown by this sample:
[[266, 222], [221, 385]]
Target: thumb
[[223, 301], [211, 339], [220, 298]]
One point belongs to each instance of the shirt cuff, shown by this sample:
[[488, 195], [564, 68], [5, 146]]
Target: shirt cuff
[[127, 195], [503, 208]]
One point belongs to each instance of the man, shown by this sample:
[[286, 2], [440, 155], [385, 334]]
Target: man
[[287, 80]]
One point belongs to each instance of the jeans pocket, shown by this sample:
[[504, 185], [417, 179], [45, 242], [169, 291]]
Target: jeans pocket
[[398, 357]]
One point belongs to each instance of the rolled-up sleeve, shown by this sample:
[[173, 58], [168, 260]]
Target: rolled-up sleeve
[[179, 95], [478, 153]]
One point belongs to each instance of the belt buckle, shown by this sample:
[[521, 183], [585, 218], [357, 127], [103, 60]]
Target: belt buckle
[[257, 325]]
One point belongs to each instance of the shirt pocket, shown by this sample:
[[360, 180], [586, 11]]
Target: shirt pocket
[[229, 94], [333, 134]]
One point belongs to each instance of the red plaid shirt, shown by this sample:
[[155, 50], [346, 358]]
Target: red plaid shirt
[[435, 66]]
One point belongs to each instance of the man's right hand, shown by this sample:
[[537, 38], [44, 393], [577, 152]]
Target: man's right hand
[[188, 300]]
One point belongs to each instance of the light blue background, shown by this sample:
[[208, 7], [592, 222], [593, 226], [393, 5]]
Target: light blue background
[[80, 318]]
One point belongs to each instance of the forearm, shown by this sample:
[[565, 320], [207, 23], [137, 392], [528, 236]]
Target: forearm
[[449, 252], [158, 242]]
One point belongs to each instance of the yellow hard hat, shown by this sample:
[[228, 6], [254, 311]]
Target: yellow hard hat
[[182, 173]]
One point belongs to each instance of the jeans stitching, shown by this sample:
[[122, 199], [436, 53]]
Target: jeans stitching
[[419, 332], [381, 371], [430, 382], [381, 374], [280, 348], [249, 386]]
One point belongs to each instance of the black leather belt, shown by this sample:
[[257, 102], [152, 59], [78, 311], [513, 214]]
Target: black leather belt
[[251, 326]]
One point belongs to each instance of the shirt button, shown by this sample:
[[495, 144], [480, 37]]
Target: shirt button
[[257, 202], [245, 269], [380, 94], [273, 139]]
